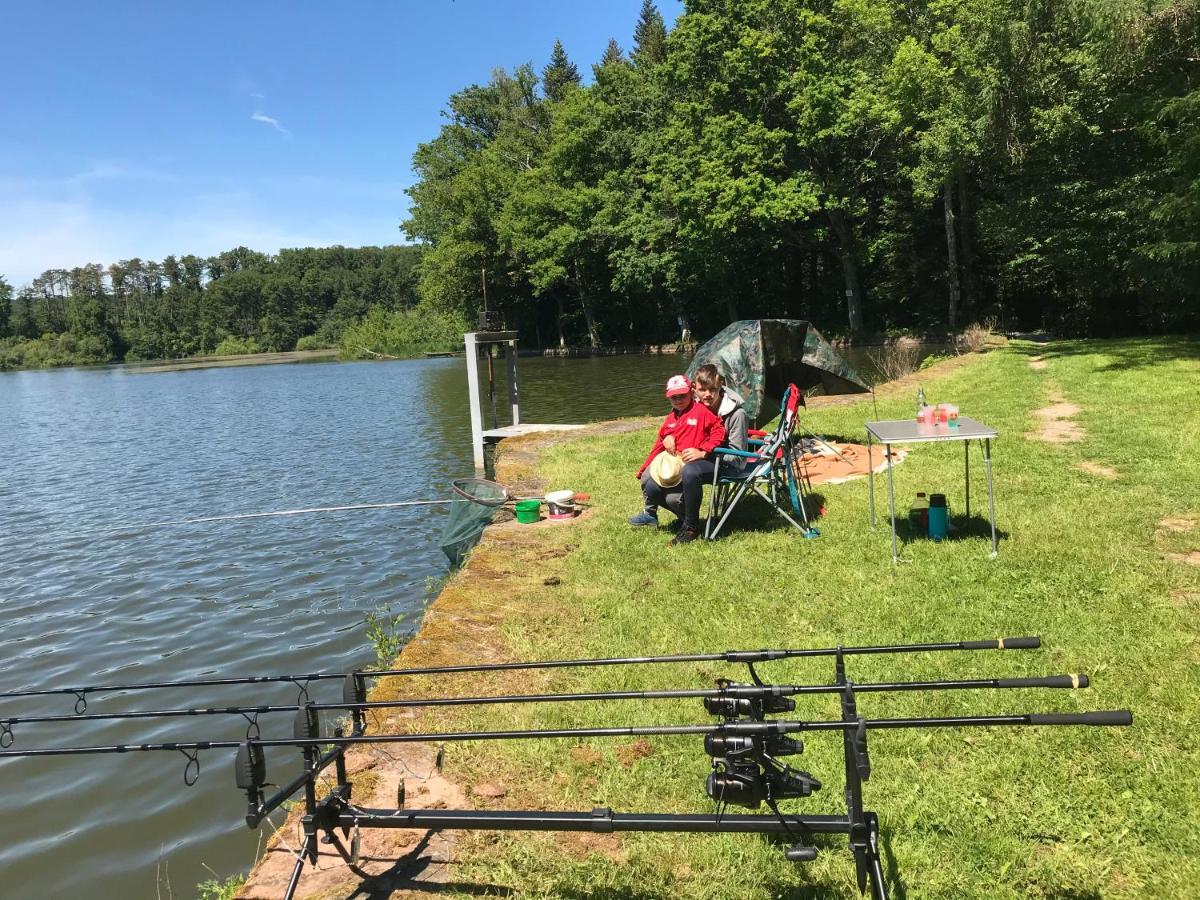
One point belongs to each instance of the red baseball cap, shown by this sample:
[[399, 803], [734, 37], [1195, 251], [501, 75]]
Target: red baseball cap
[[678, 384]]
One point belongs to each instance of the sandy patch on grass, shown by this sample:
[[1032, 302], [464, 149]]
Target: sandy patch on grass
[[1036, 362], [1057, 421], [1179, 524], [1100, 469], [1184, 599], [1191, 558]]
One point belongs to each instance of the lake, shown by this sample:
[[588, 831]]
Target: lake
[[90, 595]]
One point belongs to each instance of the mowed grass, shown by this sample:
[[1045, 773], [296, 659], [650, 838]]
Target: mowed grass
[[1008, 812]]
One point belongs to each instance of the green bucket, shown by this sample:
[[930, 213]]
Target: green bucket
[[529, 511]]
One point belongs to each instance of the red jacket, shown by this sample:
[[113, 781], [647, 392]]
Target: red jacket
[[697, 426]]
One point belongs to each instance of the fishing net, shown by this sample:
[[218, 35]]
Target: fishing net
[[476, 502]]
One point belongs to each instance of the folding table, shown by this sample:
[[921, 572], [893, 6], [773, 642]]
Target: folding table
[[909, 431]]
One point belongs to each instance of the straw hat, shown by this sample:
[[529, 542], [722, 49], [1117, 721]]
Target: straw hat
[[666, 469]]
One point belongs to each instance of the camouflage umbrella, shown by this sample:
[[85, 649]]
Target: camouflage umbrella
[[759, 358]]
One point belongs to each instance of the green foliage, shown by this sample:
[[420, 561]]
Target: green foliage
[[234, 346], [238, 301], [387, 633], [402, 333], [216, 889], [863, 163], [312, 342]]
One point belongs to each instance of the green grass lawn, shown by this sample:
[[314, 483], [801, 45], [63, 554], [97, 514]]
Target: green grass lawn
[[1083, 562]]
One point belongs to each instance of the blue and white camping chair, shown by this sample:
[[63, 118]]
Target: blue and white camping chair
[[767, 470]]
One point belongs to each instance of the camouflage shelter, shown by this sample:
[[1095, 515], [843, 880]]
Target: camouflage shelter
[[759, 358]]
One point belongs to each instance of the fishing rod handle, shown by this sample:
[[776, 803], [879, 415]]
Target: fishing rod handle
[[1012, 643], [1117, 717], [1045, 681]]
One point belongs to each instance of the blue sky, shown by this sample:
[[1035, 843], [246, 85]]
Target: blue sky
[[151, 128]]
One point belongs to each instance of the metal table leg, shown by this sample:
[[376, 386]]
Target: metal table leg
[[987, 458], [871, 479], [967, 475], [887, 449]]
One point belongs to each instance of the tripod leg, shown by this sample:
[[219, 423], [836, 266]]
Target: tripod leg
[[295, 879], [878, 885]]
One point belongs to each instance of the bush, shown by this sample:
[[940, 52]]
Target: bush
[[235, 346], [897, 358], [315, 342], [975, 337], [402, 333]]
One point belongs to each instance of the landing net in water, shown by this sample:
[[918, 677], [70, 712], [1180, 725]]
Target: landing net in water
[[475, 503]]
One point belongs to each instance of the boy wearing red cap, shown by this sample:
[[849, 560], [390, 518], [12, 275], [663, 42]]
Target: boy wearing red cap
[[690, 431]]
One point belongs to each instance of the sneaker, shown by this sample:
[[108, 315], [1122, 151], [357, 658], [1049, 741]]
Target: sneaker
[[644, 518], [685, 536]]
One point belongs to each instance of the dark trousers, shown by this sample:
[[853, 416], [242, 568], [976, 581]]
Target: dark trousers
[[691, 486]]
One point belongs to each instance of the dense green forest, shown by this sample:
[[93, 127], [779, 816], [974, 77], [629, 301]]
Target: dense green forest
[[873, 165]]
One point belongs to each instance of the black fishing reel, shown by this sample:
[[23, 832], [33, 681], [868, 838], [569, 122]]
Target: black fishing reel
[[746, 747], [755, 705], [749, 784]]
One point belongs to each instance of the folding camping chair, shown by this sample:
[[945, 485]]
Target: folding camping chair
[[768, 471]]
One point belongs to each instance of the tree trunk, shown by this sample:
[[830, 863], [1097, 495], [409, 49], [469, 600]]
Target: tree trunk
[[951, 254], [562, 341], [964, 238], [841, 227], [593, 335], [731, 305], [685, 327]]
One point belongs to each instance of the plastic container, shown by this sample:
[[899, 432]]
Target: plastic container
[[528, 511], [939, 517], [560, 505], [951, 415], [918, 515]]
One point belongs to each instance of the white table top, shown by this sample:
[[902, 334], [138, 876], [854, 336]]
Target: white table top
[[908, 431]]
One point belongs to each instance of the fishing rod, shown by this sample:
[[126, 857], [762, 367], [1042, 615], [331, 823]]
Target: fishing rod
[[747, 657], [1107, 718], [726, 696], [462, 497]]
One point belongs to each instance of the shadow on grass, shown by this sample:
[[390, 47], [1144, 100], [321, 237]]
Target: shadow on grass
[[405, 875], [961, 529], [1125, 354]]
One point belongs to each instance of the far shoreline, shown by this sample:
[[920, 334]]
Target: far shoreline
[[222, 362]]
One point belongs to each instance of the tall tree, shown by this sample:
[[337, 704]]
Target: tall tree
[[6, 294], [613, 55], [649, 36], [560, 74]]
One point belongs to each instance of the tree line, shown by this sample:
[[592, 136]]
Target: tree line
[[239, 301], [873, 165]]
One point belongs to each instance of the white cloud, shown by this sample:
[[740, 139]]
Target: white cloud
[[267, 120], [62, 224]]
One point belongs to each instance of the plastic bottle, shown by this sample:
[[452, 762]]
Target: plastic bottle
[[918, 516], [939, 517]]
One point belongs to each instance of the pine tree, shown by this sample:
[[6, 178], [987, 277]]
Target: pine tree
[[649, 36], [612, 54], [559, 75]]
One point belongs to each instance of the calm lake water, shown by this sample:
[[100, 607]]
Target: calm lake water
[[90, 596]]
